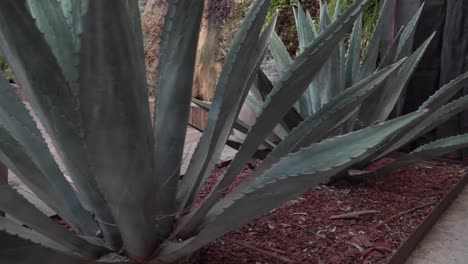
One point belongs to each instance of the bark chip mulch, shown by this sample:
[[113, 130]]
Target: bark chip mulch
[[343, 223]]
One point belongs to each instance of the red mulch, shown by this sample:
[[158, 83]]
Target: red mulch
[[301, 231]]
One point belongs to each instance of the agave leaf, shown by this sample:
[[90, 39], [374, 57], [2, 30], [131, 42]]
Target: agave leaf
[[290, 177], [378, 106], [67, 7], [265, 87], [227, 100], [337, 9], [312, 23], [327, 83], [28, 150], [14, 248], [18, 207], [390, 98], [280, 54], [174, 82], [372, 53], [325, 20], [426, 152], [40, 76], [354, 54], [14, 156], [279, 131], [406, 42], [431, 121], [113, 94], [309, 102], [445, 93], [52, 23], [288, 89], [304, 29], [11, 227], [390, 56], [133, 8], [282, 62], [320, 125]]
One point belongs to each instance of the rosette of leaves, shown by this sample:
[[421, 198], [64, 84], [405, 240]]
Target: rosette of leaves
[[81, 66]]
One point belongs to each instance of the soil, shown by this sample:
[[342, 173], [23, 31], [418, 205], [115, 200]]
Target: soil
[[387, 211]]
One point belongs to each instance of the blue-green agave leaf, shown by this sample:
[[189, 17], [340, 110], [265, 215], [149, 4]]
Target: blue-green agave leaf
[[370, 59], [378, 106], [174, 82], [287, 91], [425, 152], [51, 21], [435, 118], [116, 122], [445, 93], [228, 97], [292, 176], [40, 76], [405, 45], [320, 125], [353, 62], [17, 250], [390, 56], [23, 144], [9, 226], [18, 207]]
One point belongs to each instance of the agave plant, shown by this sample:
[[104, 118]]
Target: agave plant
[[347, 66], [81, 66]]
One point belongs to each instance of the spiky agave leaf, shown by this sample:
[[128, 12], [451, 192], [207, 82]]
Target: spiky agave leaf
[[11, 227], [28, 155], [226, 102], [18, 207], [293, 175], [320, 125], [431, 121], [378, 107], [40, 77], [425, 152], [116, 122], [174, 82], [288, 90], [14, 248]]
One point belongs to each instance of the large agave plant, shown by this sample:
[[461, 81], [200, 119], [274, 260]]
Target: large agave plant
[[81, 66], [347, 66]]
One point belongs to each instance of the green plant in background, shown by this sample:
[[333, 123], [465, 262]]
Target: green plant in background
[[4, 69], [82, 69], [286, 28], [369, 16]]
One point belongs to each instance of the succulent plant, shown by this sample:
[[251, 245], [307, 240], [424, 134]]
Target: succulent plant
[[81, 66], [348, 65]]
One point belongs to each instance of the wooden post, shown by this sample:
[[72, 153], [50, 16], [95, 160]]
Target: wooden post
[[3, 178]]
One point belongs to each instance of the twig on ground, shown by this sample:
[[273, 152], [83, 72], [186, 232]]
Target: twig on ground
[[391, 218], [353, 215], [262, 251]]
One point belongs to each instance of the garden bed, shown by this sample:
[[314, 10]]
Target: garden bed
[[346, 223]]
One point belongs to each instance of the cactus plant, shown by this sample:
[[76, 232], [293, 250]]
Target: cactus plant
[[81, 65]]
